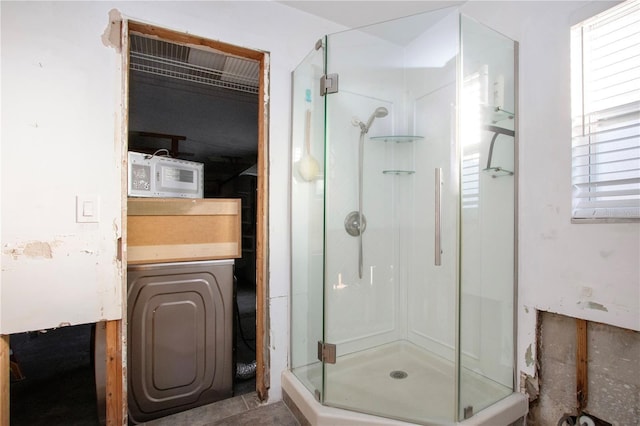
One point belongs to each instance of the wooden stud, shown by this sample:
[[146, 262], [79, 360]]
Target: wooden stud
[[582, 382], [4, 380], [115, 402], [262, 237]]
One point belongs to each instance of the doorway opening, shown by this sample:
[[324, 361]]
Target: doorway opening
[[203, 101]]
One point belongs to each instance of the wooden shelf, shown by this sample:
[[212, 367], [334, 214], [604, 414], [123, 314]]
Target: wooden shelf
[[172, 229]]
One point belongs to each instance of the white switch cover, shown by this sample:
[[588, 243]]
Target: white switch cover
[[87, 208]]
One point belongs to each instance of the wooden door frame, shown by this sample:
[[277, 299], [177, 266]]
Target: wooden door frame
[[116, 398], [4, 380]]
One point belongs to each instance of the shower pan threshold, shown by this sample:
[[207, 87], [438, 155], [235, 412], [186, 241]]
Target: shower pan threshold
[[508, 411]]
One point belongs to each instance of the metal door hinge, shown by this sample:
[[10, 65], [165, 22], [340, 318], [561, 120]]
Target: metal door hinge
[[328, 84], [468, 411], [327, 352], [119, 249]]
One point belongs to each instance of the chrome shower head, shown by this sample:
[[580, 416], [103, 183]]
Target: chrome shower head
[[364, 128], [378, 113]]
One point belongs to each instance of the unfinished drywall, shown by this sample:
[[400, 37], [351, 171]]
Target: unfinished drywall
[[613, 365]]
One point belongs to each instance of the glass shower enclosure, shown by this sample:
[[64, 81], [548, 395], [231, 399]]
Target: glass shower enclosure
[[403, 206]]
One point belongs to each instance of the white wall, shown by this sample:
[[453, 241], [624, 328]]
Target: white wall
[[59, 99], [60, 115], [588, 271]]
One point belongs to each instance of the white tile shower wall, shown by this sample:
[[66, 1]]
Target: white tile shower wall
[[360, 313], [391, 240], [431, 93], [432, 288]]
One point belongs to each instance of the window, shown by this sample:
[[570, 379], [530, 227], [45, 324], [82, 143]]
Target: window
[[605, 95]]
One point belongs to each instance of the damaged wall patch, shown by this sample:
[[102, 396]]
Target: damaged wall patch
[[597, 306], [111, 35], [32, 250], [38, 249], [528, 356], [594, 305]]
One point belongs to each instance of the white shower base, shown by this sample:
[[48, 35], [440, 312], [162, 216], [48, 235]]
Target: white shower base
[[362, 382]]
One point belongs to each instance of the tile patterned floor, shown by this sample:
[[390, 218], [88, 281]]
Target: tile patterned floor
[[236, 411]]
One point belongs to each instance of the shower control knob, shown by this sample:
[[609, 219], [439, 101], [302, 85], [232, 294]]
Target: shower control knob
[[352, 224]]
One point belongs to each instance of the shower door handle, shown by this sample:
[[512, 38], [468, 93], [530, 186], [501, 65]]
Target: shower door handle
[[438, 211]]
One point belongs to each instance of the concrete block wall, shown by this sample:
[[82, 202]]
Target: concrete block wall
[[613, 372]]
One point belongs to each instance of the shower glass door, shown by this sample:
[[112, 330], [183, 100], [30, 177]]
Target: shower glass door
[[307, 220], [487, 258], [402, 211], [391, 203]]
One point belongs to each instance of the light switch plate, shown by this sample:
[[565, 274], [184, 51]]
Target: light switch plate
[[87, 208]]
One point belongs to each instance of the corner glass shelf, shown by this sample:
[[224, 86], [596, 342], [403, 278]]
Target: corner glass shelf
[[497, 172], [397, 139], [398, 172], [497, 114]]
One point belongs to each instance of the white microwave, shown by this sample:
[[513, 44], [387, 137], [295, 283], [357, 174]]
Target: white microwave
[[164, 177]]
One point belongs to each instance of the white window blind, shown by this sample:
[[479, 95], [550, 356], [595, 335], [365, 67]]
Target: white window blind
[[474, 98], [605, 66], [471, 181]]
